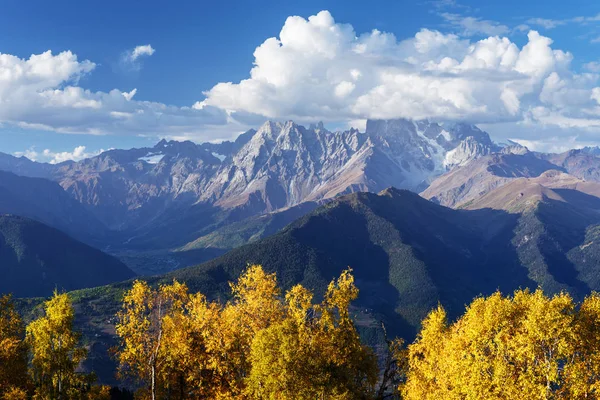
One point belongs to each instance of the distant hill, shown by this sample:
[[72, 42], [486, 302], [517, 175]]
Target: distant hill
[[250, 229], [35, 259], [47, 202]]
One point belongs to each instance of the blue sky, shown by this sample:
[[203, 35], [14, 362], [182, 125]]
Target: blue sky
[[195, 45]]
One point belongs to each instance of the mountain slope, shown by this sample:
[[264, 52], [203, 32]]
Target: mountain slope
[[521, 194], [35, 259], [408, 253], [582, 163], [250, 229], [47, 202], [470, 181]]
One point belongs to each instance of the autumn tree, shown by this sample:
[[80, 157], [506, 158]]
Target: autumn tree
[[148, 330], [255, 305], [55, 351], [525, 346], [315, 351], [582, 373], [13, 351], [183, 346]]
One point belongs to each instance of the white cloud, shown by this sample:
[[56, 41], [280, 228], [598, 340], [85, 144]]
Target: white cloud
[[546, 23], [322, 70], [592, 66], [49, 156], [42, 92], [471, 26], [553, 144], [138, 51], [130, 59], [129, 95]]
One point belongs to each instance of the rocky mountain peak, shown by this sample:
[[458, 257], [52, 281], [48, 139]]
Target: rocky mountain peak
[[514, 148], [318, 127], [593, 150], [269, 130], [161, 144], [467, 150], [391, 127]]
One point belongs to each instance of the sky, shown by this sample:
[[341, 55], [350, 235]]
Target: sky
[[77, 78]]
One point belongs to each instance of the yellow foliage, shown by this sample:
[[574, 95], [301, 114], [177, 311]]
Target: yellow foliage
[[528, 346], [315, 351], [13, 351], [257, 345], [14, 393], [150, 336], [55, 349]]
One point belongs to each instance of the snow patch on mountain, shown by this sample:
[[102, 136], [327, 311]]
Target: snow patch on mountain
[[152, 158], [435, 151], [221, 157]]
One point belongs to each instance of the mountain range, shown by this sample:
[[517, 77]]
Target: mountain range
[[174, 193], [307, 203], [407, 254], [179, 203]]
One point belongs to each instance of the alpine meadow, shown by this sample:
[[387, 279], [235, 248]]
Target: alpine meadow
[[299, 200]]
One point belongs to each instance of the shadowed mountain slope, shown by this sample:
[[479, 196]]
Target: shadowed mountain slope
[[35, 259]]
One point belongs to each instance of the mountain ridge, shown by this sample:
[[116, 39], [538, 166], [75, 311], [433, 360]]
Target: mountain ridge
[[280, 165]]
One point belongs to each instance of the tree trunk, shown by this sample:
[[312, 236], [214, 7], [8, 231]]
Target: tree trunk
[[153, 383]]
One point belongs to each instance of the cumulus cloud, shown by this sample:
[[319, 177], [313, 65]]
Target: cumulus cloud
[[138, 51], [43, 92], [49, 156], [320, 69]]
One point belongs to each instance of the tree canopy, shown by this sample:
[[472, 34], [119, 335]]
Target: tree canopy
[[526, 346]]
